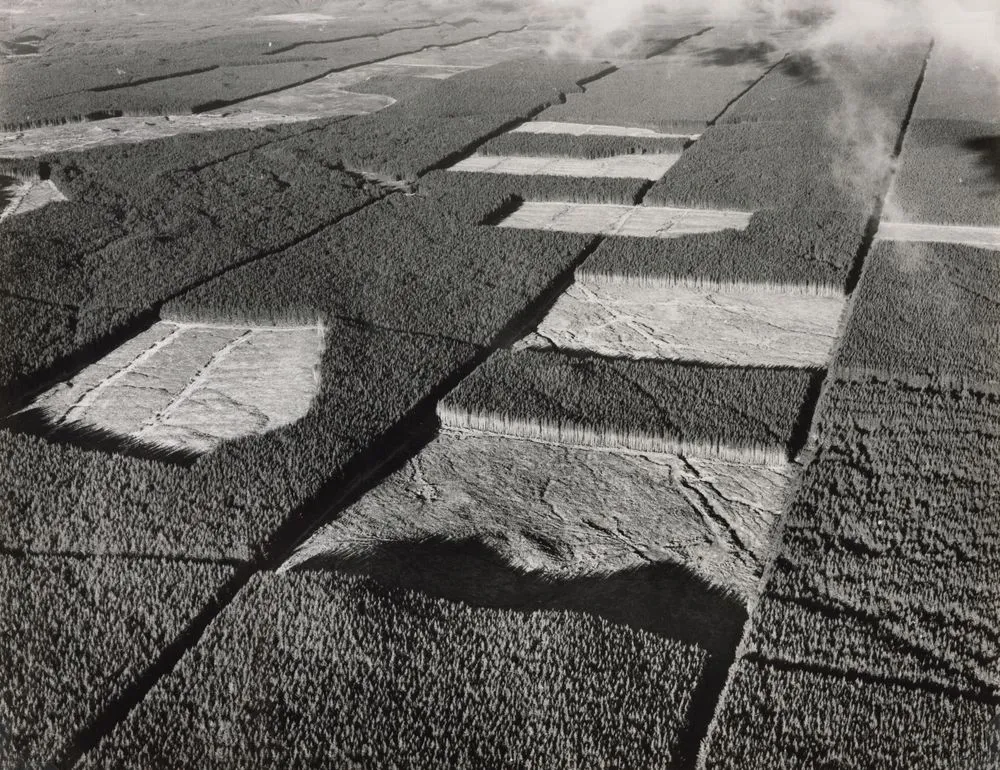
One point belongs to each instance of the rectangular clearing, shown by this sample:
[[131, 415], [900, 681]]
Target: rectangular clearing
[[739, 328], [566, 511], [593, 129], [611, 219], [980, 237], [647, 166]]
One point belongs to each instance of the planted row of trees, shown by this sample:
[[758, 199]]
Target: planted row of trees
[[811, 251], [596, 146], [747, 414]]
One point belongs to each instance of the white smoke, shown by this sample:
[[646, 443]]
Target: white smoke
[[971, 26]]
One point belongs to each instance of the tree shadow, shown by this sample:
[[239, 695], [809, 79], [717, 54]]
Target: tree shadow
[[7, 184], [37, 422], [660, 598], [988, 150], [802, 66], [731, 56]]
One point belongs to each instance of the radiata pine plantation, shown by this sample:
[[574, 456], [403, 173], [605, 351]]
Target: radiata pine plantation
[[493, 386]]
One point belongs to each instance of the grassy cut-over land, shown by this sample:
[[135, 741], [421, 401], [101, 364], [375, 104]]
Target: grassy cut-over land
[[357, 675]]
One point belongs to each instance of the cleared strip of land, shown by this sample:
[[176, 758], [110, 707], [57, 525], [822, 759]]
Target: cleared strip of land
[[980, 237], [591, 129], [611, 219], [740, 328], [648, 166], [190, 387], [30, 195], [570, 510]]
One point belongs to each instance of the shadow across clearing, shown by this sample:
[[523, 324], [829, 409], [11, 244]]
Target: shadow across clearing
[[660, 598], [35, 422]]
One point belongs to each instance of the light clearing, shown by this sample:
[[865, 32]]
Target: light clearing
[[645, 166], [591, 129], [682, 323], [616, 219], [189, 387], [31, 195], [570, 511], [297, 18], [980, 237]]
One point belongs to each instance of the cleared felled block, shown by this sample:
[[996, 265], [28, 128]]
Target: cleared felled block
[[612, 219], [566, 511], [680, 322], [190, 387], [647, 166]]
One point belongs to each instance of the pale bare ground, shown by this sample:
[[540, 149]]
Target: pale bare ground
[[740, 328], [323, 98], [190, 386], [296, 18], [616, 219], [30, 195], [980, 237], [571, 511], [647, 166], [591, 129]]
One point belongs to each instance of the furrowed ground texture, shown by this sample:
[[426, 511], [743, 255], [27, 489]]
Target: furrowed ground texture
[[925, 313], [740, 413], [735, 327], [571, 511], [363, 676], [875, 639], [188, 388], [78, 632]]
